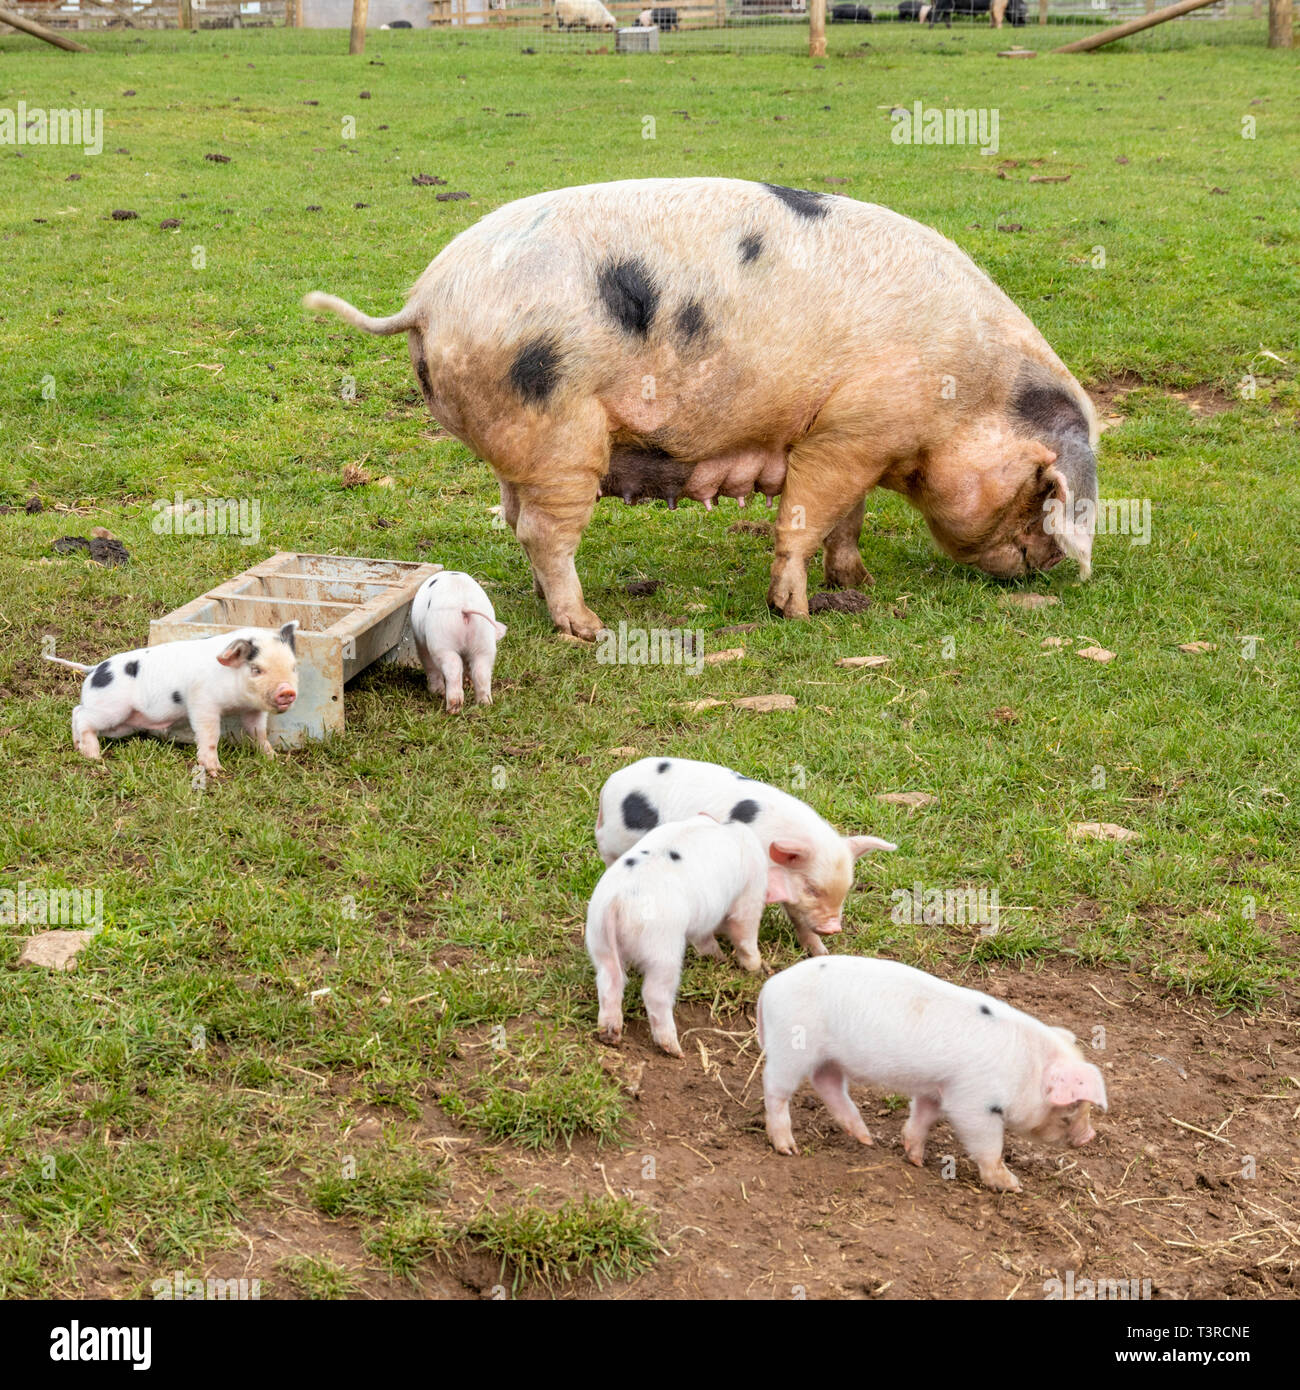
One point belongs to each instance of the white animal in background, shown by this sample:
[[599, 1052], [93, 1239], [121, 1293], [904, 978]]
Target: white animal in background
[[455, 625], [980, 1064], [583, 14]]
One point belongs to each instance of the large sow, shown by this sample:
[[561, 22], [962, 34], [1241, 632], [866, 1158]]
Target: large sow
[[697, 338]]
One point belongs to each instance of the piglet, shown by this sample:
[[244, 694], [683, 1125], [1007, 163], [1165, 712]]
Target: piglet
[[687, 881], [252, 672], [454, 624], [818, 859], [982, 1065]]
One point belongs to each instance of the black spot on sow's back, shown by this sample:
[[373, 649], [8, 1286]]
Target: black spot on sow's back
[[535, 372], [103, 675], [132, 668], [638, 814], [628, 290], [744, 811], [801, 201]]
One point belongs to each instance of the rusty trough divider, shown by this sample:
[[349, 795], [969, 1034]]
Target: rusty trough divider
[[351, 612]]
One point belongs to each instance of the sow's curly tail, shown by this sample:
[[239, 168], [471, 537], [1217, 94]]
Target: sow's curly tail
[[400, 322]]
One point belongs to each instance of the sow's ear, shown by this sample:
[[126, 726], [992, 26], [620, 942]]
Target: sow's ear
[[237, 653], [1069, 517], [864, 844], [779, 887], [287, 633], [501, 630], [1066, 1082]]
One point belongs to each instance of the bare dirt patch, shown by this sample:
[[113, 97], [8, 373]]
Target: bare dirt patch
[[1198, 1102]]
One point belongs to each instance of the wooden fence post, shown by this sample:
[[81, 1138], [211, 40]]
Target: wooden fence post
[[817, 28], [360, 13], [1280, 34]]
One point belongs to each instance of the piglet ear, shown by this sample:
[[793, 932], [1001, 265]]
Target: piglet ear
[[789, 853], [501, 630], [864, 844], [236, 653], [1066, 1082], [779, 887], [287, 633]]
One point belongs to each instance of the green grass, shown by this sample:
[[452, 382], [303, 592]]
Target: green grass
[[433, 873]]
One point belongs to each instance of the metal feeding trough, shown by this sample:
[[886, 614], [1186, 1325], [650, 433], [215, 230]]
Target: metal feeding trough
[[351, 613]]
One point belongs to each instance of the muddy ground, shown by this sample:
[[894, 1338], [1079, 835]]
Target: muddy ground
[[1199, 1102]]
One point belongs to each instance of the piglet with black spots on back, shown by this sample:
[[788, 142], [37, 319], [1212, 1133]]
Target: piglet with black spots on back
[[983, 1066], [252, 672], [686, 882]]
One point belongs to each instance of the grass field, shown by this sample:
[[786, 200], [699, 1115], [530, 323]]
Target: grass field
[[440, 1119]]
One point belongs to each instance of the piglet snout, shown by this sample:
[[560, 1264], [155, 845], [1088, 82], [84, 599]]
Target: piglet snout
[[829, 928], [1078, 1140], [284, 696]]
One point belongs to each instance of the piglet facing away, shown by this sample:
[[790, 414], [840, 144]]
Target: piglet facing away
[[252, 672], [455, 625], [983, 1066], [686, 882], [818, 860]]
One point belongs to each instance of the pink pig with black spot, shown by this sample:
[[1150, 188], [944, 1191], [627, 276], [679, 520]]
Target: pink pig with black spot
[[986, 1068], [252, 672]]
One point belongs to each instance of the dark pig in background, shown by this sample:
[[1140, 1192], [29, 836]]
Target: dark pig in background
[[703, 338]]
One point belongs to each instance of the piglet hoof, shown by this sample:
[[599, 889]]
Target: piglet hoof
[[455, 706], [611, 1037], [815, 946], [267, 749], [787, 1147], [673, 1048], [1001, 1179], [915, 1154], [865, 1139]]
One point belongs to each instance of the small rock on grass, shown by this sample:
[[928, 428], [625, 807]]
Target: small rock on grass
[[354, 475], [1028, 600], [1096, 654], [55, 950], [872, 663], [641, 588], [1101, 830], [1197, 648], [764, 703], [624, 751], [912, 800], [730, 654]]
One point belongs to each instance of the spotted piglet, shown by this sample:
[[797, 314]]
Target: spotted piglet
[[454, 625], [252, 672], [983, 1066], [818, 860], [685, 882]]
